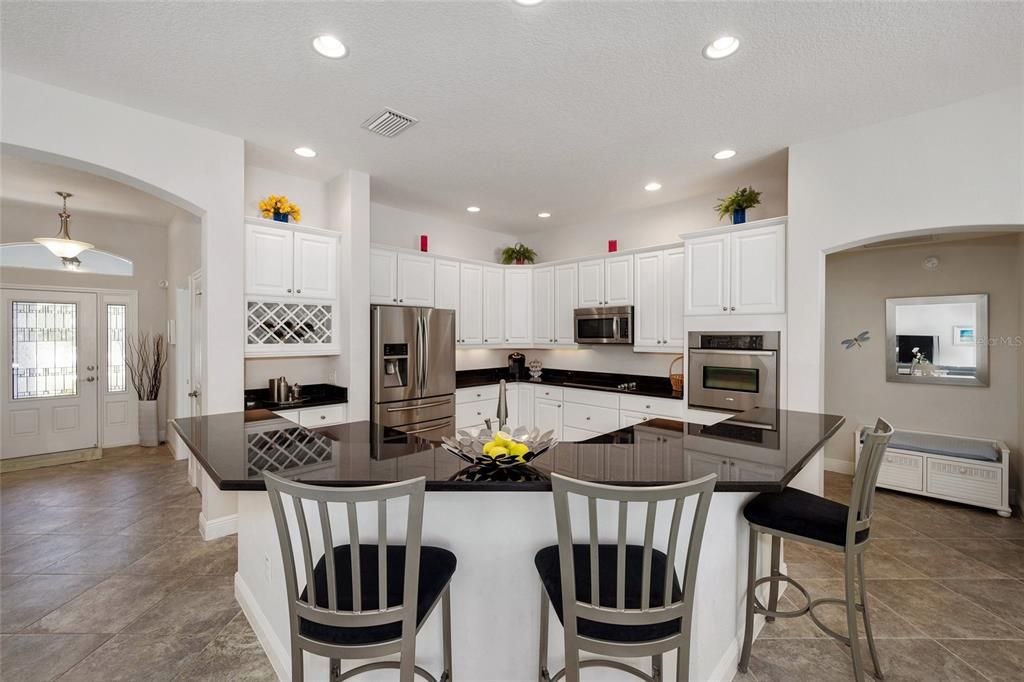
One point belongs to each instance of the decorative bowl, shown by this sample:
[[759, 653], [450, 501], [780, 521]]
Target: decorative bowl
[[469, 447], [496, 473]]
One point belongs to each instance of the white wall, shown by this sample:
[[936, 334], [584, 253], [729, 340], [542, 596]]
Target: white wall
[[942, 169], [1019, 345], [308, 195], [398, 227], [184, 256], [859, 281], [194, 168]]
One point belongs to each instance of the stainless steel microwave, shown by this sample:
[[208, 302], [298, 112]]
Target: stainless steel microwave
[[604, 325]]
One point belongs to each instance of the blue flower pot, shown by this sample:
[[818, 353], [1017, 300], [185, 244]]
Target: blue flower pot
[[739, 215], [281, 217]]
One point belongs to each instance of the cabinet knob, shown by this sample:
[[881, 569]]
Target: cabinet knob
[[323, 417], [588, 418], [298, 291], [401, 300], [289, 291], [732, 308], [725, 308], [394, 300]]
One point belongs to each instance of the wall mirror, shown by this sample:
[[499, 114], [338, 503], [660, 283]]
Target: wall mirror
[[937, 340]]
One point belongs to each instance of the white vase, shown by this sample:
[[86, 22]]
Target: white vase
[[148, 433]]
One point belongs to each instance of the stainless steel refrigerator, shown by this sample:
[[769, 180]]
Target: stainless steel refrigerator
[[412, 381]]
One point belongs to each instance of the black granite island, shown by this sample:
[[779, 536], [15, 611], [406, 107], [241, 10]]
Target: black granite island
[[496, 520]]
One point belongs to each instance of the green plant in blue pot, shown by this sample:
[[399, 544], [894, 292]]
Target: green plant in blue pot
[[737, 204]]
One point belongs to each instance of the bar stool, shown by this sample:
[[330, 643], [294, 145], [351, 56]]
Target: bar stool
[[621, 599], [365, 603], [796, 515]]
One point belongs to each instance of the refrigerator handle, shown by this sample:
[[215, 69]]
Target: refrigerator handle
[[421, 334], [426, 351]]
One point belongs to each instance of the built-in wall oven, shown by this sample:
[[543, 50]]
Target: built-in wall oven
[[734, 371], [613, 324]]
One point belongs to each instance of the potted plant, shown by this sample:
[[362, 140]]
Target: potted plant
[[145, 360], [519, 254], [280, 209], [737, 204]]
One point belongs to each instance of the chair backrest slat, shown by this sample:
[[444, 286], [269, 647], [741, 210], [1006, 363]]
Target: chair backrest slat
[[353, 540], [307, 552], [382, 554], [671, 607], [862, 496], [325, 528]]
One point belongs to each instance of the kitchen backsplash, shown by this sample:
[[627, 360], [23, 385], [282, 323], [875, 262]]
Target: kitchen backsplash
[[621, 360], [304, 370]]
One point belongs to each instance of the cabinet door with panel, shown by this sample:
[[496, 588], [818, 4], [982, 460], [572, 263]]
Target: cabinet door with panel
[[547, 415], [565, 304], [674, 294], [471, 326], [707, 275], [315, 265], [518, 299], [591, 283], [647, 316], [758, 271], [446, 285], [383, 276], [544, 305], [618, 281], [268, 261], [493, 306], [415, 280]]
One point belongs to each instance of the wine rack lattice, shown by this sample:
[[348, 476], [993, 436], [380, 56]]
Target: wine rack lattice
[[270, 323], [280, 449]]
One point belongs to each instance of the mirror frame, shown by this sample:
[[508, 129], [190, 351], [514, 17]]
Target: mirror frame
[[981, 377]]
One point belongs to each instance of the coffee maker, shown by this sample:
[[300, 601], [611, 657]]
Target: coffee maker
[[516, 365]]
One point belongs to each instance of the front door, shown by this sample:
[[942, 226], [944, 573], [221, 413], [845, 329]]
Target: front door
[[50, 389]]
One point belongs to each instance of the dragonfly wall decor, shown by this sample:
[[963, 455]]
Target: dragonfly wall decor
[[857, 341]]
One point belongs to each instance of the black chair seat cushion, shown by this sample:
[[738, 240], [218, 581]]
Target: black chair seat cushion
[[437, 566], [799, 513], [550, 572]]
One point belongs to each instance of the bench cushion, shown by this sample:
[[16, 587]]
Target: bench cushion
[[951, 446]]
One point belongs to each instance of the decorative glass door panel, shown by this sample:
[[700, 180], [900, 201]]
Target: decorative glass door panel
[[45, 349]]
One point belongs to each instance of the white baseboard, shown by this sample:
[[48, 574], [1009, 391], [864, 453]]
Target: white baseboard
[[211, 529], [275, 650], [839, 466]]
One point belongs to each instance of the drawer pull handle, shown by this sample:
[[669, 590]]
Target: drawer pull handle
[[417, 407], [588, 418]]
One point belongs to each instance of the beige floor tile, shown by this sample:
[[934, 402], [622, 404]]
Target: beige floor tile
[[108, 555], [190, 556], [131, 658], [940, 524], [9, 541], [937, 559], [919, 660], [42, 551], [39, 658], [799, 660], [28, 600], [1005, 598], [188, 611], [998, 660], [1001, 555], [937, 611], [231, 658], [7, 579], [165, 522], [109, 606], [885, 623], [106, 521]]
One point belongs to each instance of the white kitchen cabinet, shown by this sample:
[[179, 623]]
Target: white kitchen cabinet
[[268, 261], [415, 280], [547, 415], [525, 399], [740, 272], [565, 304], [554, 302], [315, 269], [493, 306], [314, 417], [658, 316], [446, 288], [544, 305], [606, 282], [383, 276], [471, 325], [518, 299], [472, 415]]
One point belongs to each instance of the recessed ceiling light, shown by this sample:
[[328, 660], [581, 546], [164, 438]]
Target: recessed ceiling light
[[329, 46], [305, 152], [725, 154], [652, 186], [528, 3], [545, 214], [722, 47], [473, 209]]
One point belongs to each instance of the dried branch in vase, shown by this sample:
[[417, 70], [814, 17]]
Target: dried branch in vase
[[146, 358]]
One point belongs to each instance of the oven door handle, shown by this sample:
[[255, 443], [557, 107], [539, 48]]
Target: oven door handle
[[703, 351]]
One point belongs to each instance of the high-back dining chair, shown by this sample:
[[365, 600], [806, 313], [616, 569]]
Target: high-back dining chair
[[622, 600], [357, 600]]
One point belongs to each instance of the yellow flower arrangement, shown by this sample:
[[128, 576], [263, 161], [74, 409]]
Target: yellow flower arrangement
[[279, 204]]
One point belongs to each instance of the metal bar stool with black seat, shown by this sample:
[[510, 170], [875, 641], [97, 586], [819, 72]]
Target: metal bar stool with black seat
[[363, 603], [796, 515], [622, 600]]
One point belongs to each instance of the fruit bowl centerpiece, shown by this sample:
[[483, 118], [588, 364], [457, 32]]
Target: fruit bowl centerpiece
[[499, 448]]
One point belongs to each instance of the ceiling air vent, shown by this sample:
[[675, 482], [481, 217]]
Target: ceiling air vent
[[389, 123]]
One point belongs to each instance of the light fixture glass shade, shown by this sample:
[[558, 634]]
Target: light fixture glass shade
[[63, 248]]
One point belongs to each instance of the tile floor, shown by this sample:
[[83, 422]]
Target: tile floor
[[103, 576]]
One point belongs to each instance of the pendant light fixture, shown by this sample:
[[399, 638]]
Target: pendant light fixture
[[63, 246]]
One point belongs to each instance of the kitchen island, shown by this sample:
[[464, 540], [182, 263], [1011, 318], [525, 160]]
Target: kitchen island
[[496, 520]]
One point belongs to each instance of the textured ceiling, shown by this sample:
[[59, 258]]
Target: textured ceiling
[[563, 107]]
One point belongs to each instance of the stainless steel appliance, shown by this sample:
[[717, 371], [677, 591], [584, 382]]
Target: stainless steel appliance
[[734, 371], [604, 325], [412, 384]]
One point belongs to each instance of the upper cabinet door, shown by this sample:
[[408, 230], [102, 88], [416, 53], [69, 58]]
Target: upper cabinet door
[[316, 266], [446, 284], [647, 317], [618, 280], [493, 304], [707, 275], [591, 283], [674, 294], [383, 276], [544, 305], [518, 299], [268, 261], [759, 270], [565, 304], [415, 280], [471, 284]]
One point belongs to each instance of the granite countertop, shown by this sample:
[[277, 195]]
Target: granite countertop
[[313, 395], [654, 387], [758, 451]]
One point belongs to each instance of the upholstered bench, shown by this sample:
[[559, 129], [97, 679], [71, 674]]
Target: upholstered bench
[[957, 468]]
